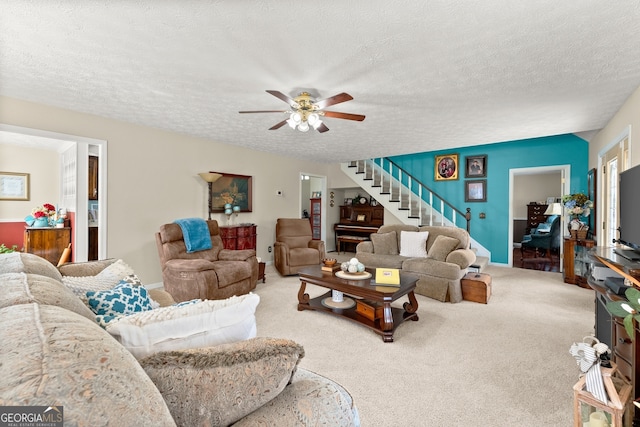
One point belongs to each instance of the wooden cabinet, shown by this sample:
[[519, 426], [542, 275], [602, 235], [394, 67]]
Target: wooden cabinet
[[315, 218], [93, 178], [576, 261], [241, 236], [535, 216], [49, 243], [624, 349], [93, 244]]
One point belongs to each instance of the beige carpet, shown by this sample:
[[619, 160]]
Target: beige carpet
[[506, 363]]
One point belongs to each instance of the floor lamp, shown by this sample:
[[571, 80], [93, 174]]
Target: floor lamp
[[210, 178]]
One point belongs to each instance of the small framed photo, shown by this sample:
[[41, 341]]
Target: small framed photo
[[551, 200], [446, 167], [475, 190], [348, 202], [14, 186], [476, 166]]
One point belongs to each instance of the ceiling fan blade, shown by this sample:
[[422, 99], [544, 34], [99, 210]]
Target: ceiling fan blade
[[322, 128], [348, 116], [336, 99], [264, 111], [278, 125], [282, 96]]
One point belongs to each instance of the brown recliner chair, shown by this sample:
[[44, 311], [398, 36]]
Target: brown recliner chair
[[294, 248], [215, 273]]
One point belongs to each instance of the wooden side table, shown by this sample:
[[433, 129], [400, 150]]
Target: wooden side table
[[261, 266], [576, 261], [49, 243]]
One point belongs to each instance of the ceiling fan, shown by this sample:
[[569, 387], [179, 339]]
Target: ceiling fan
[[306, 112]]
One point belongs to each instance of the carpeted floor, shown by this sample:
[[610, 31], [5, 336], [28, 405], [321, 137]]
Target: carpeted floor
[[506, 363]]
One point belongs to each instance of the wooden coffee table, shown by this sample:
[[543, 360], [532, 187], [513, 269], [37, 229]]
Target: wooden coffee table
[[367, 289]]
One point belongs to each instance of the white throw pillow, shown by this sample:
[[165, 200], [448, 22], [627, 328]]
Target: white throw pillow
[[205, 323], [413, 244], [103, 281]]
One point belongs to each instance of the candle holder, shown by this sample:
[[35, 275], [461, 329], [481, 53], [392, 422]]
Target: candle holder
[[588, 411]]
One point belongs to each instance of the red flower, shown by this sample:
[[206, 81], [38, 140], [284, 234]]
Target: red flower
[[49, 207], [39, 214]]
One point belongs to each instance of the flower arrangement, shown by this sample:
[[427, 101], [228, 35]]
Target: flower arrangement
[[577, 204], [46, 210]]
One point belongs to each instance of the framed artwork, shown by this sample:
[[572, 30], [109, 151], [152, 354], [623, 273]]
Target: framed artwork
[[316, 194], [233, 189], [14, 186], [476, 166], [446, 167], [475, 190], [551, 200], [348, 202]]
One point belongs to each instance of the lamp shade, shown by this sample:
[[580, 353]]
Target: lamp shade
[[554, 209], [210, 176]]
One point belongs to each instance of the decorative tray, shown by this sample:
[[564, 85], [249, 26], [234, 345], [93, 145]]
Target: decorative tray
[[353, 276]]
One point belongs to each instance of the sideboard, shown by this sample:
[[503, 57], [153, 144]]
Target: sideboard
[[241, 236], [49, 243]]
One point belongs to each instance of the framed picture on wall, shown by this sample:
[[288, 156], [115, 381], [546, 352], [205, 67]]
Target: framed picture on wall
[[446, 167], [233, 189], [475, 190], [476, 166], [14, 186]]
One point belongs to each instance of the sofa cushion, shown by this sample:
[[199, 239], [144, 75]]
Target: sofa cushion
[[310, 399], [52, 355], [385, 243], [24, 262], [205, 323], [442, 246], [104, 280], [22, 288], [216, 386], [413, 243]]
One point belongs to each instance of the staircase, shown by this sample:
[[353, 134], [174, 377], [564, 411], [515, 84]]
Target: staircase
[[409, 200]]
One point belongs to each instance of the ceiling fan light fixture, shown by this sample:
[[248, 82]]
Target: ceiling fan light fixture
[[303, 127], [296, 117], [313, 119]]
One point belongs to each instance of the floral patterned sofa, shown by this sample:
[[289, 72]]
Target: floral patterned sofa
[[54, 353]]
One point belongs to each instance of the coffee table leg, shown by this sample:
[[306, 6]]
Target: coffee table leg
[[412, 306], [303, 298], [386, 322]]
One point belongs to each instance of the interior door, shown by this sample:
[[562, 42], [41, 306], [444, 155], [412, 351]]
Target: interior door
[[614, 161]]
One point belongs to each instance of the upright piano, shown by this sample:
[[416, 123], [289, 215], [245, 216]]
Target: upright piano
[[357, 222]]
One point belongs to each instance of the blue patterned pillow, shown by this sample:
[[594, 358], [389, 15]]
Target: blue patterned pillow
[[123, 299]]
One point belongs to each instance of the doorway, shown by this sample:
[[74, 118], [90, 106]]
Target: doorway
[[310, 185], [74, 164], [535, 184]]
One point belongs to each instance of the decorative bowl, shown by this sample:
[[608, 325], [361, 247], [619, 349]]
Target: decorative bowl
[[329, 262]]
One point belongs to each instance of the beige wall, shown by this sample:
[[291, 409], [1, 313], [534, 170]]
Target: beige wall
[[628, 115], [152, 179], [533, 188], [43, 167]]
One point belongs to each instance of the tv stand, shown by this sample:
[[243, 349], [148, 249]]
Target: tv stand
[[625, 349], [629, 254]]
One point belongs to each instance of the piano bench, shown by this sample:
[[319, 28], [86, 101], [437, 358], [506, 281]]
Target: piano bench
[[350, 239]]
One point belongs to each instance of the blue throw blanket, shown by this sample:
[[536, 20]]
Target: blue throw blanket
[[196, 234]]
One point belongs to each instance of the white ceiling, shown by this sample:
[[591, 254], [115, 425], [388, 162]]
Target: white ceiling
[[428, 75]]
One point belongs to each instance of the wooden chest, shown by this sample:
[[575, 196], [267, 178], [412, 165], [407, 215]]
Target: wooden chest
[[476, 287], [369, 309]]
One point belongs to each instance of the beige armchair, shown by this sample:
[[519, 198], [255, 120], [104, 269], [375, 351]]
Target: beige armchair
[[294, 248], [215, 273]]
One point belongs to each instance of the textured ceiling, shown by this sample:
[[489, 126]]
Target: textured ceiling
[[428, 75]]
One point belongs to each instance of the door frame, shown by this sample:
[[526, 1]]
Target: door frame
[[565, 178], [323, 200]]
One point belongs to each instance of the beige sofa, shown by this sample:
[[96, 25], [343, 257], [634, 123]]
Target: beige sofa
[[442, 263], [54, 353]]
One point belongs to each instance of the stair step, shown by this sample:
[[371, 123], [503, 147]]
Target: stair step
[[480, 264]]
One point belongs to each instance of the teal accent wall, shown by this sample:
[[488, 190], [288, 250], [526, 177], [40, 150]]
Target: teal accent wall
[[493, 232]]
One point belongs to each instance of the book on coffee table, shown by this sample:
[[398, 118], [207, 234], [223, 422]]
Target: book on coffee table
[[388, 276]]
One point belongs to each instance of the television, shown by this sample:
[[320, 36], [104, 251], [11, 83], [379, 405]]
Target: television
[[629, 227]]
